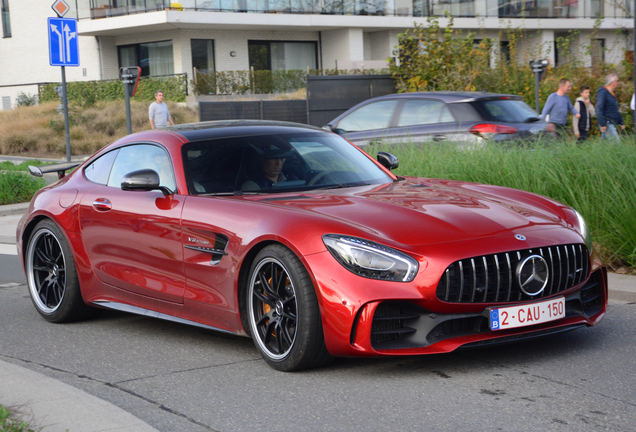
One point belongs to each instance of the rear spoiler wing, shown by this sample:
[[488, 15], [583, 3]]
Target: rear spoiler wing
[[60, 169]]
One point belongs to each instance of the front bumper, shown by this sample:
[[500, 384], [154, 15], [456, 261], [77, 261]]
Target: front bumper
[[363, 317]]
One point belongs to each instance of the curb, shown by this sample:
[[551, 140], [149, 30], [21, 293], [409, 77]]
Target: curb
[[13, 209]]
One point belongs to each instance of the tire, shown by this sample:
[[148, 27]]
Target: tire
[[283, 312], [51, 276]]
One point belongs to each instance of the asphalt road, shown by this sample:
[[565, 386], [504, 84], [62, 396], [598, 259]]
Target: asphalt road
[[180, 378]]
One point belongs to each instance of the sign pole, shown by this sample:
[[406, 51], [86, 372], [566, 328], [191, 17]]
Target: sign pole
[[66, 125], [130, 77], [536, 92], [128, 119]]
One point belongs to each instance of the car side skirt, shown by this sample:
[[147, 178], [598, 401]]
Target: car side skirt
[[153, 314]]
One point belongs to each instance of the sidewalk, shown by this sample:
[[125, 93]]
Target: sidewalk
[[59, 407]]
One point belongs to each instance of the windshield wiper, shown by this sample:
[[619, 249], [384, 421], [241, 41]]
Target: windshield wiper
[[532, 119]]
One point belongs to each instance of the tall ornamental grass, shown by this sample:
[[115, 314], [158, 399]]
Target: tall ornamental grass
[[597, 178], [17, 187]]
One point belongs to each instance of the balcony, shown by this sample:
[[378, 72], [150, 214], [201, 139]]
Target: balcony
[[545, 9]]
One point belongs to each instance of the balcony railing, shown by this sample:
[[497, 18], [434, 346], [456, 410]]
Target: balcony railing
[[415, 8]]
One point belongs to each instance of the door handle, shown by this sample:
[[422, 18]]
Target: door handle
[[102, 204], [439, 137]]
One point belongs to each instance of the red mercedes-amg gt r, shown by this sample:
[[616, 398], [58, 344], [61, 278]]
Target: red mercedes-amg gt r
[[293, 236]]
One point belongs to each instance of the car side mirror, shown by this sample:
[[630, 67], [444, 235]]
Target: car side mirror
[[388, 161], [143, 180], [328, 127]]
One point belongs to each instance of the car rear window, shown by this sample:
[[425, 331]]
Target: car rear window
[[506, 110]]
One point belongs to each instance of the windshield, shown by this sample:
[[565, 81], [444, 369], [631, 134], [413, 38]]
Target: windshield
[[277, 163], [507, 110]]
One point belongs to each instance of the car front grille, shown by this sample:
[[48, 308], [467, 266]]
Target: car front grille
[[493, 278]]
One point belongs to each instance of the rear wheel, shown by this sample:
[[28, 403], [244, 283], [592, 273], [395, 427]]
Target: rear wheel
[[51, 276], [283, 313]]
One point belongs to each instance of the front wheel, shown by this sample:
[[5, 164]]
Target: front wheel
[[51, 276], [283, 313]]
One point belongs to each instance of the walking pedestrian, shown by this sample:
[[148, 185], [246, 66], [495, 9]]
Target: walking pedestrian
[[557, 107], [607, 114], [586, 109], [158, 112]]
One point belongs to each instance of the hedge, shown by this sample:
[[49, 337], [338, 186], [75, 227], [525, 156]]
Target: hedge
[[86, 93]]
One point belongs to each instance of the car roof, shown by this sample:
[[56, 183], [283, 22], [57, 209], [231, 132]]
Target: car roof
[[449, 96], [233, 128]]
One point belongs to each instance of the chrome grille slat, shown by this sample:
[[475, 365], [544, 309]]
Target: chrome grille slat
[[461, 280], [498, 279], [560, 268], [551, 271], [519, 259], [567, 263], [464, 280], [474, 275], [485, 279], [447, 284], [509, 278]]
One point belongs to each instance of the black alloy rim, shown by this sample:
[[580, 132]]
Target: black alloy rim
[[274, 308], [47, 271]]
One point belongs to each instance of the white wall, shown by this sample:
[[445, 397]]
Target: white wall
[[342, 45]]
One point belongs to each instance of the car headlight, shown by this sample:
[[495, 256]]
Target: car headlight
[[371, 260], [585, 232]]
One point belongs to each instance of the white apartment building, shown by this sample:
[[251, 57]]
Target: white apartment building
[[169, 38]]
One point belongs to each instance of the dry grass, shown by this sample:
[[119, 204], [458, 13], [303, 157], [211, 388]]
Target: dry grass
[[39, 130]]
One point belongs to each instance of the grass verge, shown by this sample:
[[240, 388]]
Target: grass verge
[[598, 179]]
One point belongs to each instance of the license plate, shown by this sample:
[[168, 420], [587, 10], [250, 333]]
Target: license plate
[[527, 315]]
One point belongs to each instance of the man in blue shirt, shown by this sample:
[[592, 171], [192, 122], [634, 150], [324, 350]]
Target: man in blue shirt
[[558, 105], [607, 109]]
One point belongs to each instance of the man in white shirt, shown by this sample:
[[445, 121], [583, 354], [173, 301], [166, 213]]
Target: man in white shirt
[[158, 112]]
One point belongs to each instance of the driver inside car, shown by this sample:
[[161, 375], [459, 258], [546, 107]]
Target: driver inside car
[[270, 170]]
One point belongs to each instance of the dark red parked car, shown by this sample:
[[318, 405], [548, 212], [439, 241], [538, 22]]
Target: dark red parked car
[[293, 236]]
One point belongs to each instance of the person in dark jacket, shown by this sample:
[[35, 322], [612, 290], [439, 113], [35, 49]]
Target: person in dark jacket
[[607, 114]]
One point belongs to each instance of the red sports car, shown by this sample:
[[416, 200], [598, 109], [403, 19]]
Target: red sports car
[[293, 236]]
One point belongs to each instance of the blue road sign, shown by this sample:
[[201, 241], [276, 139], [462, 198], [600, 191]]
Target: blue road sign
[[63, 44]]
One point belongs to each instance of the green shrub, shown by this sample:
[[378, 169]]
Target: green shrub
[[17, 187], [25, 100]]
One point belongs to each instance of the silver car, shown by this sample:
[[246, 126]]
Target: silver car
[[468, 117]]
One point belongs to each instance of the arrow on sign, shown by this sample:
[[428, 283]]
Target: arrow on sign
[[60, 41], [68, 36]]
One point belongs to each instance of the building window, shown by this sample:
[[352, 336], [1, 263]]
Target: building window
[[154, 58], [203, 55], [504, 51], [6, 103], [269, 55], [598, 52], [6, 22]]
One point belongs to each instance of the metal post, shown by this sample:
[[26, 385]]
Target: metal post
[[127, 95], [536, 92], [66, 126]]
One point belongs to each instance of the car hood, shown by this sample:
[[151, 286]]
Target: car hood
[[423, 211]]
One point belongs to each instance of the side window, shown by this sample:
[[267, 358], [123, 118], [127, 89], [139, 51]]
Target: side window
[[446, 117], [99, 170], [369, 117], [143, 156], [421, 112]]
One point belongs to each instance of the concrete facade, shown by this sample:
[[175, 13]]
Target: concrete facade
[[343, 41]]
